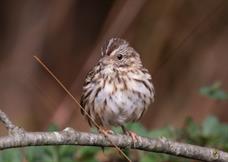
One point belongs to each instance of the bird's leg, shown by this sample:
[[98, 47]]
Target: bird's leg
[[105, 131], [133, 135]]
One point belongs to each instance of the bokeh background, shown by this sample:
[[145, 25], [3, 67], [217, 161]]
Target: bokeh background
[[184, 45]]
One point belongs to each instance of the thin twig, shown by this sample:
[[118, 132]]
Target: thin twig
[[86, 113]]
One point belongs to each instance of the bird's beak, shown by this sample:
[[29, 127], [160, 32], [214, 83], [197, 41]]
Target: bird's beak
[[106, 60]]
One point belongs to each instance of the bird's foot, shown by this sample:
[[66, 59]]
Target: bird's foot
[[106, 131], [133, 136]]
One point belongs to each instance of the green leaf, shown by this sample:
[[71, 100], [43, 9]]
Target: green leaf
[[53, 127], [168, 132], [214, 92], [34, 153], [67, 159], [211, 127], [10, 155], [147, 158], [67, 151], [137, 128], [87, 150], [192, 132], [155, 157], [87, 154]]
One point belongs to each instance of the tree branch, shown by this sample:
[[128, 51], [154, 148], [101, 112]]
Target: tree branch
[[12, 129], [71, 137]]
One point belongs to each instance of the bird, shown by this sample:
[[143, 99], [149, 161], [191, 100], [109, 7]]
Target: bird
[[118, 89]]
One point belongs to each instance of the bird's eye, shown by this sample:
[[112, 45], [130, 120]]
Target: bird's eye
[[119, 56]]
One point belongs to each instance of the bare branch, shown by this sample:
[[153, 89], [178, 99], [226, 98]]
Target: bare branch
[[72, 137], [19, 138], [12, 129], [5, 120]]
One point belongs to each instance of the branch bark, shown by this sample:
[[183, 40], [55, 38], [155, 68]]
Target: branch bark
[[71, 137]]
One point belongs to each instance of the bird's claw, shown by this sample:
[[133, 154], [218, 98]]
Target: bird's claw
[[133, 136], [106, 131]]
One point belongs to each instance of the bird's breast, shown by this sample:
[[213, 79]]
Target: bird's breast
[[121, 100]]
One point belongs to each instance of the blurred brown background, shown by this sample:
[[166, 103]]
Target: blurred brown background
[[183, 43]]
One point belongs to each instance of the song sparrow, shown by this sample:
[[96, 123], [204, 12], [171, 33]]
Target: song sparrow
[[118, 89]]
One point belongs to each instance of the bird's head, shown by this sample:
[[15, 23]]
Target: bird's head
[[118, 54]]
